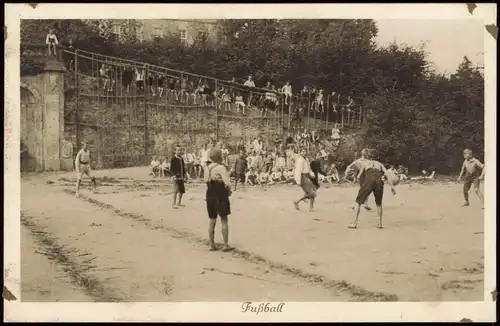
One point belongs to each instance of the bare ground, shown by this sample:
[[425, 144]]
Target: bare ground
[[125, 243]]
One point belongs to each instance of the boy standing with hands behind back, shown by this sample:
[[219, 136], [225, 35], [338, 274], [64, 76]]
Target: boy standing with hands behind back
[[178, 170]]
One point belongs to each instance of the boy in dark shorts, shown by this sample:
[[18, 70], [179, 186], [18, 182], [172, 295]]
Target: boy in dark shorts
[[372, 183], [474, 173], [217, 197], [357, 165], [178, 170], [303, 177], [240, 168]]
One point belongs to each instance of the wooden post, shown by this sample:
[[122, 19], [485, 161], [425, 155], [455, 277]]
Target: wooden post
[[283, 126], [342, 117], [146, 129], [327, 111], [216, 114], [308, 111], [77, 110]]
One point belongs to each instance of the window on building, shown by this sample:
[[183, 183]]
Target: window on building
[[183, 35], [117, 29], [157, 32]]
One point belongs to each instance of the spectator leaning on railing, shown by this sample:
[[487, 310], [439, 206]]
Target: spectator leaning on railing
[[251, 84]]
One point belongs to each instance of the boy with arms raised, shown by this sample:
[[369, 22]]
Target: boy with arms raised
[[358, 164], [372, 183]]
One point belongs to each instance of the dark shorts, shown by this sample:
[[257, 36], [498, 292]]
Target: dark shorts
[[179, 187], [308, 186], [375, 186], [470, 180], [217, 198], [315, 182], [140, 83], [240, 177], [361, 180]]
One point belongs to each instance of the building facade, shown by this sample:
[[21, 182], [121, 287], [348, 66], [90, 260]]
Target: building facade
[[186, 30], [148, 29]]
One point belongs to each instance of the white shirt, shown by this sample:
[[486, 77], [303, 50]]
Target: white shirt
[[203, 155], [302, 166], [83, 156], [335, 133], [51, 37], [139, 75], [249, 83], [287, 89], [257, 145], [155, 163], [189, 158]]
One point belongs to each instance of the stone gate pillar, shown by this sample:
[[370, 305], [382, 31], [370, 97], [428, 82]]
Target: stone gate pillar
[[53, 114]]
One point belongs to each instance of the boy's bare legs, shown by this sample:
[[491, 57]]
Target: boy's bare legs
[[365, 204], [297, 202], [179, 204], [225, 233], [479, 193], [355, 224], [466, 194], [311, 204], [77, 192], [211, 233], [94, 183], [174, 203], [380, 212]]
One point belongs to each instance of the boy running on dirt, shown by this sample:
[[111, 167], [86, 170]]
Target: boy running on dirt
[[473, 170], [372, 182]]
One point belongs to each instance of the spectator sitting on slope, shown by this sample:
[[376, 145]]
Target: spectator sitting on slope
[[155, 167]]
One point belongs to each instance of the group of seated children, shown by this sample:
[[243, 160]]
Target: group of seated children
[[158, 168], [402, 172], [268, 169]]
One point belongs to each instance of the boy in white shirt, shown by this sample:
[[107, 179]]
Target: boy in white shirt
[[302, 176], [240, 104], [250, 177], [82, 164], [164, 167], [287, 91], [155, 167], [52, 42], [249, 83]]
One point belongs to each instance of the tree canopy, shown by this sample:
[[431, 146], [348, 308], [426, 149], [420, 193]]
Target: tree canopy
[[416, 116]]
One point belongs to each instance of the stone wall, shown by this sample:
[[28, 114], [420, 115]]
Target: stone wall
[[118, 125], [42, 108]]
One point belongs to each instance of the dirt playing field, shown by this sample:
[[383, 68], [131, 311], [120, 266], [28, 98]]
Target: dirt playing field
[[126, 243]]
